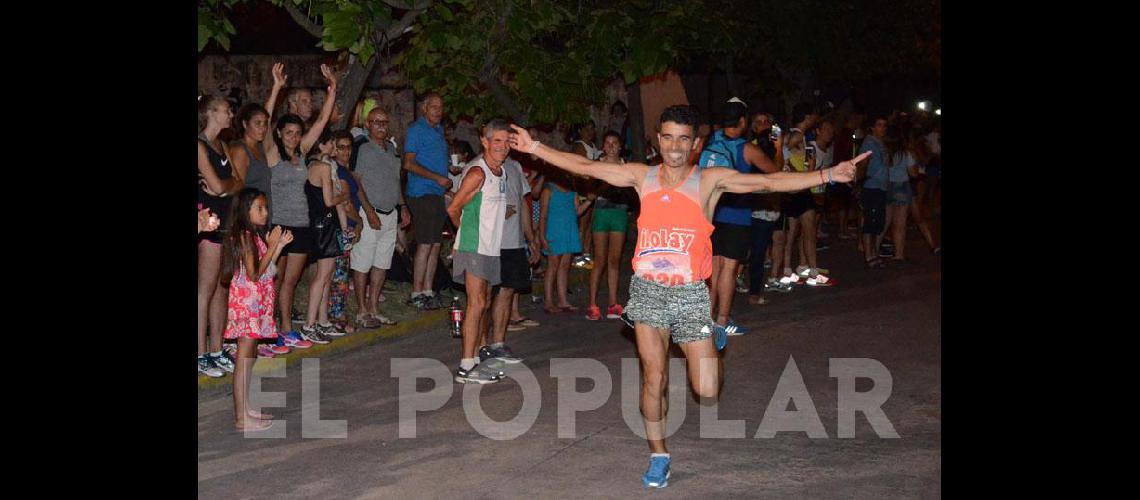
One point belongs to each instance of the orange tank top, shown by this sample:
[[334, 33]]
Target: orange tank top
[[674, 244]]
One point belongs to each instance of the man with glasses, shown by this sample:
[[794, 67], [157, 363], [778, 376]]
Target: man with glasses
[[379, 172], [343, 141]]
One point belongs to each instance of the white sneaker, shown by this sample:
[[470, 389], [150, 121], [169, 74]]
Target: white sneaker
[[206, 367], [790, 279], [820, 280], [482, 373], [329, 330], [776, 286]]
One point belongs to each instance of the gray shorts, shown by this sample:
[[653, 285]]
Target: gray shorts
[[683, 309], [483, 266]]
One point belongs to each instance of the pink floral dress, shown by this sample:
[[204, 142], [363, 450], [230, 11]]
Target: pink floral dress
[[250, 312]]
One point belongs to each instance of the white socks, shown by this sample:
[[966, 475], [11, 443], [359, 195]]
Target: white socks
[[468, 363]]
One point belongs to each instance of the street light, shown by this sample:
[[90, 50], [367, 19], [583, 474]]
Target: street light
[[938, 111], [923, 105]]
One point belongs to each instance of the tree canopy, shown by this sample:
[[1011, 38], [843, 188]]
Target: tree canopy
[[546, 61]]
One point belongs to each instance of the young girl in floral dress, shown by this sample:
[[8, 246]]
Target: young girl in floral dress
[[247, 270]]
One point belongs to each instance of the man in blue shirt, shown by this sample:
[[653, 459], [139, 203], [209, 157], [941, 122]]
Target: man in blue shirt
[[425, 159], [732, 219]]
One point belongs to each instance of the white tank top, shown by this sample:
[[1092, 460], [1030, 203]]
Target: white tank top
[[481, 223], [592, 153]]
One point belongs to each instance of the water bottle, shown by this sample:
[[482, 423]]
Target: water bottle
[[456, 318]]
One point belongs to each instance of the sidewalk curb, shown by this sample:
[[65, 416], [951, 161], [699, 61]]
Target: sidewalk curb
[[350, 341], [359, 339]]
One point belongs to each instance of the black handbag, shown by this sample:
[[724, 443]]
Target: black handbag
[[325, 241]]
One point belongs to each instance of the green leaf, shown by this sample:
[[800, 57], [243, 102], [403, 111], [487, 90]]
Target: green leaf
[[344, 34], [223, 39], [229, 27], [630, 77], [383, 14], [203, 37], [444, 13], [367, 52]]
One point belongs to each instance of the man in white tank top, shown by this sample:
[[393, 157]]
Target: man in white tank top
[[478, 210]]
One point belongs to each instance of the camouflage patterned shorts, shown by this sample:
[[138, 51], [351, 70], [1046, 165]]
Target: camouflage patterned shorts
[[683, 309]]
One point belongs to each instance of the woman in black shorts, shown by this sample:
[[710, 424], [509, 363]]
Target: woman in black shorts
[[216, 182], [796, 204], [322, 200], [288, 175]]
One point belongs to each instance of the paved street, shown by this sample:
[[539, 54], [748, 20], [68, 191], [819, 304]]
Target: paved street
[[892, 316]]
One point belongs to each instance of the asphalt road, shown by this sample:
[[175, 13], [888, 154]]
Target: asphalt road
[[890, 316]]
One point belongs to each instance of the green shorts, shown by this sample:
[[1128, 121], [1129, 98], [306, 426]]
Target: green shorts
[[610, 220]]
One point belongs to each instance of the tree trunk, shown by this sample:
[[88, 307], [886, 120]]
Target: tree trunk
[[351, 86], [490, 73], [349, 90], [489, 78]]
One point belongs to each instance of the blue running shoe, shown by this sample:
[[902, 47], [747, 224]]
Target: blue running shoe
[[733, 329], [293, 339], [720, 336], [658, 474]]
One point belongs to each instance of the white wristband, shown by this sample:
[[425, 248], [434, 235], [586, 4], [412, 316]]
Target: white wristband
[[533, 147]]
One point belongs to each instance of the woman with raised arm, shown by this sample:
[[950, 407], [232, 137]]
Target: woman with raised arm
[[289, 205]]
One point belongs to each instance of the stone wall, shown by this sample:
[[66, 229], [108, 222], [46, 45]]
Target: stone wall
[[249, 78]]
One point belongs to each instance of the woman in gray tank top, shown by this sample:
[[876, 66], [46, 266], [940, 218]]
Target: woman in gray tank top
[[247, 153], [285, 155]]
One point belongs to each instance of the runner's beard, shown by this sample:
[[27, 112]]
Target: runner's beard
[[676, 158]]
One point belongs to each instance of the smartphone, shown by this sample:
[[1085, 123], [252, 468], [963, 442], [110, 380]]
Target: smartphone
[[775, 134], [809, 153]]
